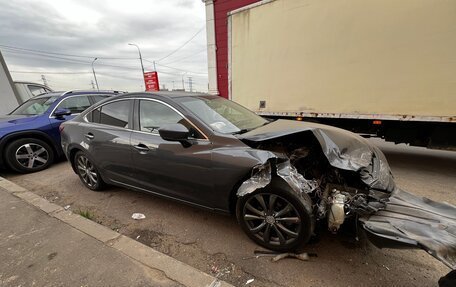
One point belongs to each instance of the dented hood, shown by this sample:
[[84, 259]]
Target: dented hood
[[343, 149]]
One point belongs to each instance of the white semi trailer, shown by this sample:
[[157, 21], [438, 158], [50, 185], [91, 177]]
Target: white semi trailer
[[379, 68]]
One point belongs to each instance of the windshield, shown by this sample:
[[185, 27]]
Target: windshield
[[35, 106], [222, 115]]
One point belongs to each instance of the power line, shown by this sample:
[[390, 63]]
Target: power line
[[188, 56], [51, 56], [62, 54], [56, 58], [177, 69], [54, 72], [183, 45]]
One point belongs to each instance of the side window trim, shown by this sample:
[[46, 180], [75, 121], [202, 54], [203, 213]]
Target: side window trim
[[133, 125]]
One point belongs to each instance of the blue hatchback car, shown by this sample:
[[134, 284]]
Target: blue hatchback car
[[29, 135]]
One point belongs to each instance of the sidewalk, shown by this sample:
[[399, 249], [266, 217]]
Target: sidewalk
[[41, 244]]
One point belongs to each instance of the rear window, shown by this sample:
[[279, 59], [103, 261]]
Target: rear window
[[115, 114], [36, 106]]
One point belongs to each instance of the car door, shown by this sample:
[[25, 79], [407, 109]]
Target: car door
[[167, 167], [107, 138]]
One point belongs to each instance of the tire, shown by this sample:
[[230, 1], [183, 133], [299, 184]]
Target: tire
[[88, 172], [29, 155], [290, 221]]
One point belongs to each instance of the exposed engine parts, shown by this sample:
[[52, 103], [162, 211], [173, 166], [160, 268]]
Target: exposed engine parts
[[336, 214], [344, 176]]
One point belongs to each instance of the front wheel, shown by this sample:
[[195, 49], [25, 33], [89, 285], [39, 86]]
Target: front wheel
[[87, 172], [29, 155], [276, 217]]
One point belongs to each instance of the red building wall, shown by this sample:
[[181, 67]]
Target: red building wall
[[221, 9]]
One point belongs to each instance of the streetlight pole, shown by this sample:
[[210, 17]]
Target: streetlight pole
[[94, 75], [140, 59]]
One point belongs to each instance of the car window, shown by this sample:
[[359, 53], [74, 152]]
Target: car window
[[35, 106], [113, 114], [222, 115], [97, 98], [154, 115], [37, 90], [75, 104]]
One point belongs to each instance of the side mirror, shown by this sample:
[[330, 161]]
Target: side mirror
[[174, 132], [59, 113]]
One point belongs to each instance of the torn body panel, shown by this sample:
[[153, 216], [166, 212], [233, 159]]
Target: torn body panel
[[416, 221], [388, 214], [261, 177]]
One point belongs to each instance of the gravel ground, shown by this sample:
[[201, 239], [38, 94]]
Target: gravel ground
[[215, 244]]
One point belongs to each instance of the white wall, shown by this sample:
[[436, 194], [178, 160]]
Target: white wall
[[8, 100]]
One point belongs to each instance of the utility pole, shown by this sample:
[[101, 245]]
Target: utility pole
[[183, 85], [43, 77], [94, 75], [93, 84], [190, 84], [142, 66]]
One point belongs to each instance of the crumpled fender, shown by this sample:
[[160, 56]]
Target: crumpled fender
[[343, 149]]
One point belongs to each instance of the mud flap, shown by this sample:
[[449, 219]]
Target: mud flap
[[412, 221]]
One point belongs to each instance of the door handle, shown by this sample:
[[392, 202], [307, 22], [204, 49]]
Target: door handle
[[89, 136], [142, 148]]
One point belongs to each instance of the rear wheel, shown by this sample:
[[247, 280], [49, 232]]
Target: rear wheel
[[87, 172], [276, 217], [29, 155]]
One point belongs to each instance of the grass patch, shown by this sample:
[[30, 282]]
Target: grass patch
[[86, 213]]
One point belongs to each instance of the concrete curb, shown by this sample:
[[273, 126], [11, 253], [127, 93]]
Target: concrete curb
[[173, 268]]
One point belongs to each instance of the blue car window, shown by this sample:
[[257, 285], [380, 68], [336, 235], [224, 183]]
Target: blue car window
[[34, 107], [75, 104]]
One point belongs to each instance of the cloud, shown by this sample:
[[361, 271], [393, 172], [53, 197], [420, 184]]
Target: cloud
[[103, 29]]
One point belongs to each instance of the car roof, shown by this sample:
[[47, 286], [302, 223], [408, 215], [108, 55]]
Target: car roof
[[76, 92], [166, 94]]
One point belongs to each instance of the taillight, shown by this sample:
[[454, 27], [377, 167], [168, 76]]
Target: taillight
[[61, 127]]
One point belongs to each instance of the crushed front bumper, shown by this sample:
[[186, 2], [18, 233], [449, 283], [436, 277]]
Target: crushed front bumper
[[412, 221]]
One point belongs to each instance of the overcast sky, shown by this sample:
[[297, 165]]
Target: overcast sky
[[103, 29]]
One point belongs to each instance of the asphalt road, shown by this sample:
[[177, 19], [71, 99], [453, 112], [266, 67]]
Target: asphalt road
[[215, 243]]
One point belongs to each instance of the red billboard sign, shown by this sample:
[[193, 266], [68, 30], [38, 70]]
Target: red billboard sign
[[151, 81]]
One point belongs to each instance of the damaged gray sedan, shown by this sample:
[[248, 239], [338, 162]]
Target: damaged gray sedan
[[279, 177]]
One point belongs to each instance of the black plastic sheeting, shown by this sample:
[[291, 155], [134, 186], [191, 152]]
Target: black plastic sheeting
[[417, 221]]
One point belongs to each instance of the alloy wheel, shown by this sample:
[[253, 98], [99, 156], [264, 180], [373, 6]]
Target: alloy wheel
[[272, 219], [32, 155], [87, 171]]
